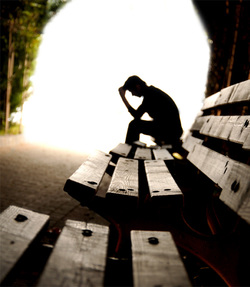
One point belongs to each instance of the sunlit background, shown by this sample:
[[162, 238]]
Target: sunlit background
[[88, 51]]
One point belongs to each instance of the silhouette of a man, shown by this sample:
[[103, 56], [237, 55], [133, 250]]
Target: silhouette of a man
[[165, 126]]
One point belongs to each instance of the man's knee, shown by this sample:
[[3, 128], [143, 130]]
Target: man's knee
[[134, 123]]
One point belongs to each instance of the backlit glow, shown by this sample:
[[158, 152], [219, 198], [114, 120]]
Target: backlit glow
[[88, 51]]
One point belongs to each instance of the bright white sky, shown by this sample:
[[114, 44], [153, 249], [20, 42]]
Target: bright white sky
[[88, 51]]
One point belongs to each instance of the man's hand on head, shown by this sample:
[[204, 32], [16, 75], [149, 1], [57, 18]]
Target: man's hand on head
[[122, 91]]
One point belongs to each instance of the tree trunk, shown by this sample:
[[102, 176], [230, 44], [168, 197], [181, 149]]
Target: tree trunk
[[9, 76], [25, 83]]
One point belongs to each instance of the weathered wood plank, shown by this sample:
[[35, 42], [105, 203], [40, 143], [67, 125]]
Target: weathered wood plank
[[79, 256], [162, 154], [235, 185], [190, 141], [218, 131], [211, 163], [198, 123], [83, 183], [18, 229], [236, 93], [125, 180], [139, 143], [241, 92], [206, 127], [240, 130], [225, 95], [156, 261], [122, 149], [232, 128], [226, 127], [160, 180], [209, 102], [143, 153]]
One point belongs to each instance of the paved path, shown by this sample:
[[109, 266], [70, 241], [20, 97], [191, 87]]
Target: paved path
[[32, 176]]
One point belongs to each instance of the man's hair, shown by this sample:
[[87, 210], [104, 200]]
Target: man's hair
[[132, 82]]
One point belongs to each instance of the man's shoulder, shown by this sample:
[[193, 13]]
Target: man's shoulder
[[156, 91]]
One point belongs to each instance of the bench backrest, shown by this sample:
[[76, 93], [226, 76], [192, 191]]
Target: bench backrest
[[219, 145]]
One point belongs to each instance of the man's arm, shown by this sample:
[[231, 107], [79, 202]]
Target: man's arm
[[135, 113], [129, 107], [122, 94]]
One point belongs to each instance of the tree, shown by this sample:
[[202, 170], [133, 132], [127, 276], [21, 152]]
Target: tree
[[22, 23]]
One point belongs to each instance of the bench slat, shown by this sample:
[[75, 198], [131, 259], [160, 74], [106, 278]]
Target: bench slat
[[208, 126], [143, 153], [236, 93], [225, 95], [160, 180], [211, 163], [156, 261], [232, 128], [209, 102], [235, 186], [84, 182], [241, 92], [190, 141], [198, 123], [139, 144], [219, 127], [122, 149], [18, 229], [162, 154], [240, 130], [125, 180], [79, 256]]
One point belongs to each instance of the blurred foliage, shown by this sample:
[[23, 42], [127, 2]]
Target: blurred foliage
[[26, 20]]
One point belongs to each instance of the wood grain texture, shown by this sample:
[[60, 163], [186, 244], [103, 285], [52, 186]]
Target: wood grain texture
[[143, 153], [236, 93], [198, 123], [79, 256], [217, 130], [162, 154], [226, 128], [157, 263], [235, 184], [240, 130], [233, 128], [209, 102], [125, 179], [18, 229], [190, 141], [160, 181], [225, 95], [122, 149], [241, 92], [206, 127], [211, 163], [139, 143], [84, 182]]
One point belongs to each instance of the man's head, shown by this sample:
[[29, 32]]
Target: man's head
[[135, 85]]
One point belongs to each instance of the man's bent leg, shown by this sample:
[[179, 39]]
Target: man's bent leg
[[133, 132], [136, 127]]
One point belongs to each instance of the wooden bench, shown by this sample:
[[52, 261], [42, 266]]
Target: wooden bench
[[218, 153], [83, 253], [219, 145], [152, 218], [193, 197]]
